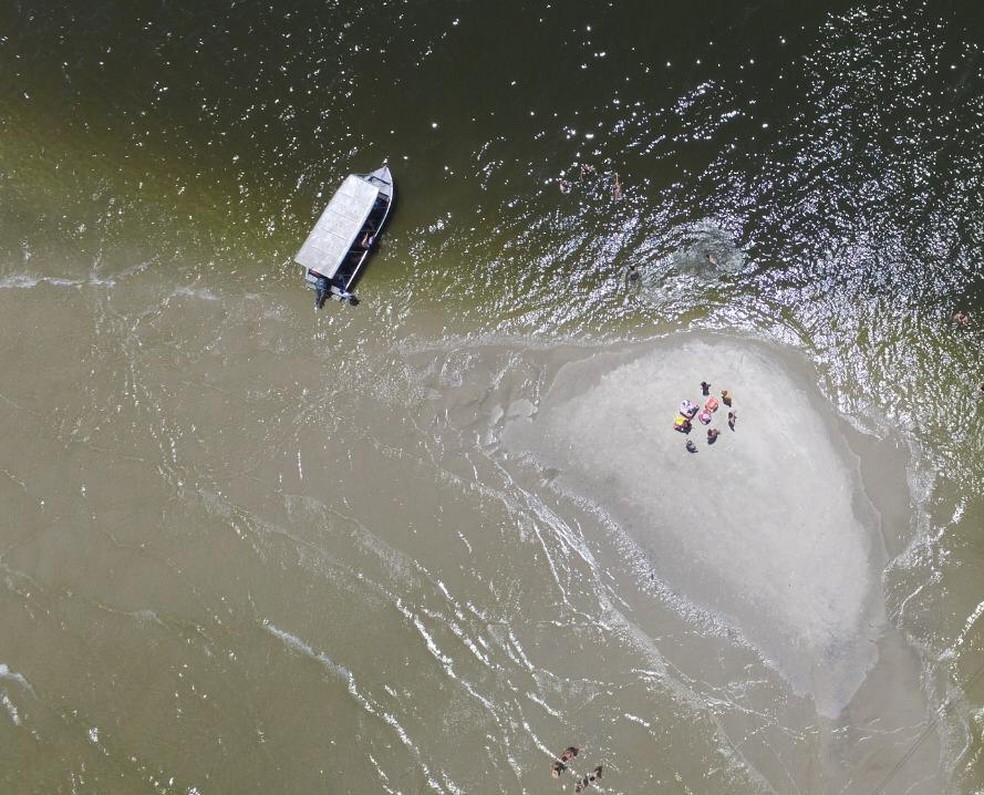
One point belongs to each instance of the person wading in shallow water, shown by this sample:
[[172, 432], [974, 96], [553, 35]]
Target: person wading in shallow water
[[585, 782], [558, 766]]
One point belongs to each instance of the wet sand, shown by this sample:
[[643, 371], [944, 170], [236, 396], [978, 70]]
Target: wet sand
[[776, 527]]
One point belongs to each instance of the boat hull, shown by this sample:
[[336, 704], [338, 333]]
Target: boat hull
[[337, 249]]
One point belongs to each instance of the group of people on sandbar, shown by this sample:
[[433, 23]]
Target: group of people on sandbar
[[560, 765], [689, 410]]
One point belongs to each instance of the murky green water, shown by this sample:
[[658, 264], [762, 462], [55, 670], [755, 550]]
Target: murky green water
[[248, 547]]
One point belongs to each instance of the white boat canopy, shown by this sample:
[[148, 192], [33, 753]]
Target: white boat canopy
[[332, 237]]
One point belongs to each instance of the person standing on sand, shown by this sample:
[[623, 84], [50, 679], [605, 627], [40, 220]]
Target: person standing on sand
[[691, 447], [705, 388], [732, 418], [726, 397], [712, 435]]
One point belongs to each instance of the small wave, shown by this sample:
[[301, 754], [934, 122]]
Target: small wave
[[11, 708], [194, 292], [6, 673], [371, 706], [5, 700], [298, 645], [25, 281]]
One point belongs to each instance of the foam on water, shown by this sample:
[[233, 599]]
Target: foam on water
[[769, 527], [298, 645], [5, 699], [6, 673], [25, 281]]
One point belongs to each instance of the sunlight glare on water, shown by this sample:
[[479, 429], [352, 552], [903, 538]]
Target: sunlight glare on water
[[252, 547]]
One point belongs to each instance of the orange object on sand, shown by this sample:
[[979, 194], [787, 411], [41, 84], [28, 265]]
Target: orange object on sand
[[711, 404]]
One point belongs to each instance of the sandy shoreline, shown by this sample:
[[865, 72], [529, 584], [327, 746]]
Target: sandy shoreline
[[779, 526]]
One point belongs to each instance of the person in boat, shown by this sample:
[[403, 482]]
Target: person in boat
[[682, 424], [321, 292], [565, 186]]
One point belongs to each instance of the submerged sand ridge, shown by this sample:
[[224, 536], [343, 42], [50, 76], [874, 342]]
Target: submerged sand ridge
[[770, 527]]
